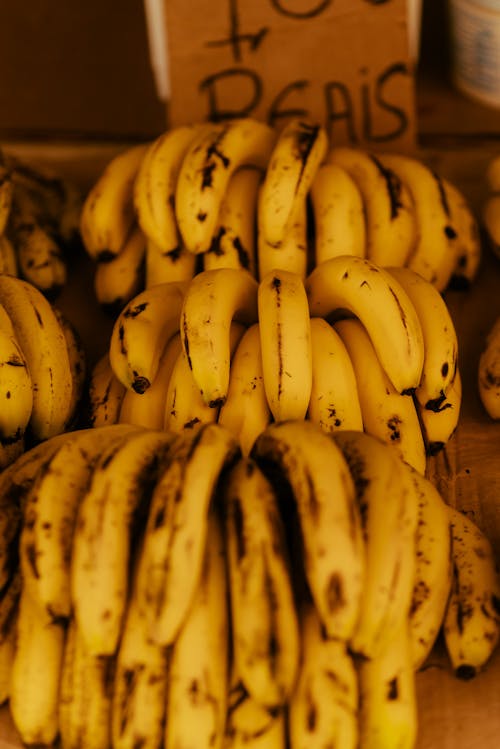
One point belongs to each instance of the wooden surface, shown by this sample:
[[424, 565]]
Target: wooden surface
[[452, 714]]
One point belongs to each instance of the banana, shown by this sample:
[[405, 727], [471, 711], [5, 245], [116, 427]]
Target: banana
[[250, 725], [35, 674], [306, 466], [105, 394], [440, 337], [109, 517], [155, 185], [164, 267], [433, 570], [471, 623], [175, 537], [16, 390], [439, 425], [285, 340], [84, 695], [388, 509], [338, 210], [6, 192], [120, 279], [206, 170], [490, 214], [264, 620], [139, 690], [9, 606], [292, 255], [297, 154], [468, 241], [141, 331], [147, 409], [184, 406], [386, 413], [8, 256], [435, 254], [246, 412], [323, 707], [388, 717], [78, 364], [488, 372], [108, 212], [198, 671], [214, 299], [391, 223], [43, 343], [234, 242], [374, 296], [334, 403]]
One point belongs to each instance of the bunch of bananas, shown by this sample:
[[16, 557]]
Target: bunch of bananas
[[42, 368], [39, 224], [353, 346], [241, 194], [188, 595]]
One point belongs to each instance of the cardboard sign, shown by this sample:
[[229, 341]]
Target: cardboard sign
[[342, 63]]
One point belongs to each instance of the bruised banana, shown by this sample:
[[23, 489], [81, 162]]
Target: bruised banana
[[471, 623], [334, 403], [171, 557], [8, 257], [214, 299], [206, 170], [360, 286], [108, 212], [264, 621], [339, 218], [250, 725], [110, 514], [198, 672], [16, 390], [488, 372], [285, 341], [304, 462], [297, 154], [323, 706], [141, 331], [235, 239], [105, 394], [386, 413], [468, 239], [388, 511], [391, 224], [438, 425], [245, 412], [118, 280]]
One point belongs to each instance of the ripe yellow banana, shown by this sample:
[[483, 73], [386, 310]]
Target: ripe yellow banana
[[468, 241], [42, 341], [206, 170], [198, 673], [339, 218], [105, 393], [118, 280], [9, 607], [388, 717], [334, 403], [109, 515], [164, 267], [213, 299], [77, 355], [488, 373], [250, 725], [264, 621], [141, 331], [292, 255], [374, 296], [472, 618], [323, 707], [234, 243], [391, 223], [439, 425], [297, 154], [246, 412], [171, 558], [440, 337], [155, 185], [306, 465], [285, 340], [108, 212], [435, 254], [16, 389], [388, 510], [386, 413]]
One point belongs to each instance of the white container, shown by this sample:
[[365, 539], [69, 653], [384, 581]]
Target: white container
[[475, 48]]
